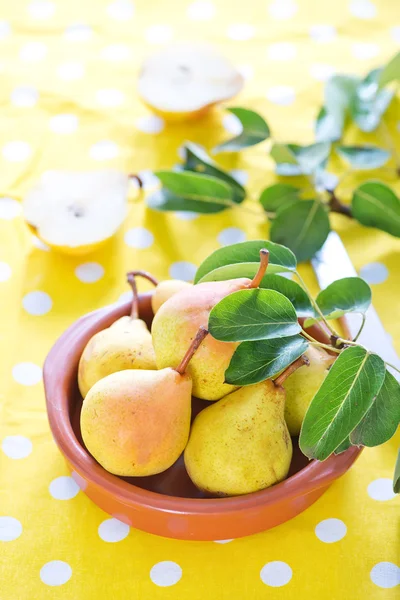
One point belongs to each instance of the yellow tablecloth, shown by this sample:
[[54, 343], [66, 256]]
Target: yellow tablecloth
[[68, 71]]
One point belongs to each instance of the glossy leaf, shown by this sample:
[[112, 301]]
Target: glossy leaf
[[303, 227], [292, 159], [339, 93], [292, 290], [382, 419], [369, 102], [254, 131], [253, 362], [396, 476], [364, 157], [343, 446], [391, 71], [350, 294], [246, 252], [374, 204], [240, 270], [253, 314], [327, 128], [345, 396], [197, 160], [276, 196]]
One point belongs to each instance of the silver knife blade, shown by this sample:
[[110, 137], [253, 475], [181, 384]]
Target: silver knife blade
[[331, 263]]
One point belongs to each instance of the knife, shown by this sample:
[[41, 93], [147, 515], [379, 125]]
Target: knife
[[331, 263]]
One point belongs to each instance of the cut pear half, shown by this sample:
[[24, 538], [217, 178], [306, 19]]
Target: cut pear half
[[76, 212], [184, 80]]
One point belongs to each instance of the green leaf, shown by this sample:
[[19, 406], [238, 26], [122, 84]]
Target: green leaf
[[339, 91], [255, 130], [327, 128], [292, 159], [350, 294], [303, 227], [381, 421], [344, 397], [293, 292], [253, 314], [374, 204], [396, 476], [246, 252], [276, 196], [240, 270], [343, 446], [197, 160], [255, 361], [364, 157], [369, 102], [391, 71]]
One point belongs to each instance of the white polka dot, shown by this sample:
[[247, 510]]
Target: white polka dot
[[158, 34], [17, 151], [321, 72], [150, 124], [10, 529], [116, 52], [55, 572], [231, 235], [24, 96], [241, 176], [63, 488], [201, 11], [276, 573], [395, 33], [362, 9], [246, 71], [186, 215], [381, 489], [364, 50], [282, 51], [110, 97], [282, 9], [113, 530], [71, 71], [240, 32], [330, 530], [125, 297], [16, 446], [385, 575], [165, 573], [121, 10], [223, 541], [139, 237], [9, 208], [149, 180], [323, 33], [37, 303], [232, 124], [41, 10], [27, 373], [5, 271], [78, 32], [5, 29], [182, 270], [64, 124], [89, 272], [104, 150], [39, 244], [33, 52], [374, 273], [281, 94]]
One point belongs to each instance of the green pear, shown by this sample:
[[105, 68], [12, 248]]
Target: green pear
[[127, 344], [240, 444], [302, 386]]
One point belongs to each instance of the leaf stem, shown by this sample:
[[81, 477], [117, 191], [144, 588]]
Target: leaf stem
[[337, 206], [361, 328], [315, 305], [317, 343]]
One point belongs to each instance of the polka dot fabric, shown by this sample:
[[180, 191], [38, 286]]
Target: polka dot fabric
[[68, 101]]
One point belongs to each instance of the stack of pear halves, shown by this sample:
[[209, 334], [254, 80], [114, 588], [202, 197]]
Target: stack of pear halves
[[137, 388]]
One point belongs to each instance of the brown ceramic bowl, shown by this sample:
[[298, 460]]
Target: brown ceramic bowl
[[168, 504]]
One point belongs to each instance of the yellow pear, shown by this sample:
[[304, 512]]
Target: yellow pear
[[136, 422], [166, 289], [302, 386], [240, 444], [177, 321], [126, 344]]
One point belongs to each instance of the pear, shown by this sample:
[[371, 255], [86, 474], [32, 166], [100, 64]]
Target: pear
[[166, 289], [126, 344], [136, 423], [241, 444], [177, 320], [302, 386]]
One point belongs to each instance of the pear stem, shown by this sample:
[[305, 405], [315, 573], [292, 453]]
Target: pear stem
[[303, 360], [264, 259], [146, 275], [135, 300], [200, 335]]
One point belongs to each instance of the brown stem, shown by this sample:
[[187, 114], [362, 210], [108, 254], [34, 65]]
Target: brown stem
[[338, 207], [130, 277], [303, 360], [200, 335], [146, 275], [138, 179], [264, 258]]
